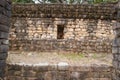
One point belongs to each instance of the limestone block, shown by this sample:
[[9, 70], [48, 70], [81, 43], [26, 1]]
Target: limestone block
[[18, 23], [77, 29], [43, 36], [37, 23], [70, 29], [63, 66]]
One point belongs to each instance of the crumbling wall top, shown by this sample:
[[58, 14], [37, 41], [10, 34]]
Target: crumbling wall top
[[98, 11]]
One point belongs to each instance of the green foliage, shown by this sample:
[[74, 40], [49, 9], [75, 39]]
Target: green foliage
[[22, 1], [81, 1], [65, 1], [101, 1]]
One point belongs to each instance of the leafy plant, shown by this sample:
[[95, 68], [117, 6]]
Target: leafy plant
[[22, 1]]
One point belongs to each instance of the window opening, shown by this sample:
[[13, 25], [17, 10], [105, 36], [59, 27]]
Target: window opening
[[60, 32]]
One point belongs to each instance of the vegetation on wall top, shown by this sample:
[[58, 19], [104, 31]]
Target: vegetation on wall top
[[64, 1]]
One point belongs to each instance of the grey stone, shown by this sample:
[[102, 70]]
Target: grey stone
[[4, 48], [4, 28], [4, 35], [4, 20], [63, 66], [116, 42], [115, 50], [3, 56], [2, 3], [75, 75]]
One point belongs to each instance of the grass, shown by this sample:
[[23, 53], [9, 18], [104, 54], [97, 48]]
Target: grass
[[54, 57], [72, 56]]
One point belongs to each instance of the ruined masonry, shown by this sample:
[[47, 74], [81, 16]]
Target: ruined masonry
[[116, 47], [27, 72], [69, 28], [5, 12]]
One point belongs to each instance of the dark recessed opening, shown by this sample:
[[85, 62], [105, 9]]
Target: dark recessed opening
[[60, 32]]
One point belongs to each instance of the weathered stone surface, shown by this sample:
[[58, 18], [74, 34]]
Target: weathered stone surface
[[4, 29], [89, 34], [116, 47], [30, 73], [4, 48], [3, 3], [63, 66], [101, 11], [3, 56], [40, 35], [4, 35], [4, 20]]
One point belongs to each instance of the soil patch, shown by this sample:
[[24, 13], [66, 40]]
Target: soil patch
[[55, 58]]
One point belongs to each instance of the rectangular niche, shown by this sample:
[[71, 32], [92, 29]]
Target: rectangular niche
[[60, 31]]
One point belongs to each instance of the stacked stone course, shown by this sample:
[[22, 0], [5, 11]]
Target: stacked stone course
[[5, 12], [98, 11], [116, 47], [105, 13], [32, 32], [58, 71]]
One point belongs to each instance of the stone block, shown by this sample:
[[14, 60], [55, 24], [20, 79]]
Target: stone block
[[14, 67], [117, 32], [53, 67], [4, 28], [3, 3], [116, 25], [2, 64], [115, 50], [31, 78], [8, 5], [4, 20], [63, 66], [42, 67], [5, 12], [116, 42], [4, 42], [4, 48], [63, 75], [115, 63], [14, 73], [75, 76], [48, 76], [29, 73], [14, 78], [80, 68], [4, 35], [3, 56]]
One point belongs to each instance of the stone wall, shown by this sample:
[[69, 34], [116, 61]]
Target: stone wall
[[115, 42], [116, 47], [80, 35], [86, 11], [60, 71], [5, 13], [32, 32]]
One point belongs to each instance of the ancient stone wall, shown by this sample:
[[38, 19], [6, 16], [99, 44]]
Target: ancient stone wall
[[80, 35], [97, 11], [116, 46], [3, 40], [32, 32], [5, 13], [60, 71]]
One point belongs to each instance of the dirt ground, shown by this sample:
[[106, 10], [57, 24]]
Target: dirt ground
[[54, 58]]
